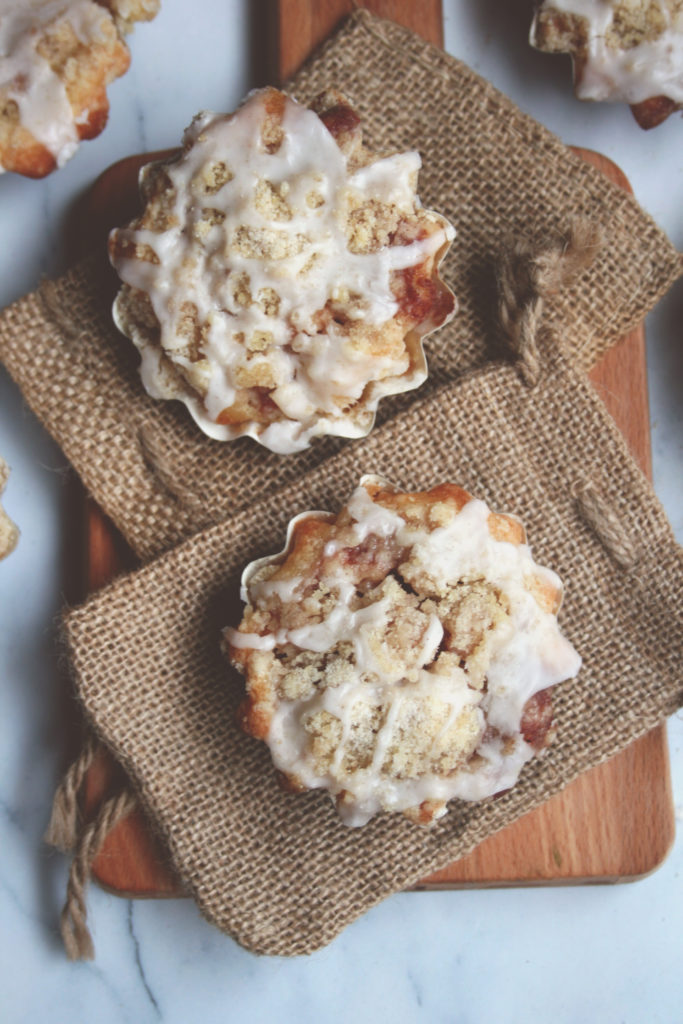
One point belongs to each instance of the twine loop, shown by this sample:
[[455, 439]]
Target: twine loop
[[161, 467], [58, 312], [527, 276], [151, 448], [75, 933], [605, 522], [63, 833]]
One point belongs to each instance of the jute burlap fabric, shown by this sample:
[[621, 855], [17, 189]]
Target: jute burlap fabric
[[279, 872], [491, 169]]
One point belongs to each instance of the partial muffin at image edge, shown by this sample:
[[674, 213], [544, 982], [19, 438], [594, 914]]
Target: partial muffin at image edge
[[622, 50], [57, 58], [281, 277], [400, 653], [9, 534]]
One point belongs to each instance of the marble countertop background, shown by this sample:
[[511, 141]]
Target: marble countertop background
[[590, 953]]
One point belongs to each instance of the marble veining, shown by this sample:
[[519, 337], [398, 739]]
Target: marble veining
[[562, 954], [138, 961]]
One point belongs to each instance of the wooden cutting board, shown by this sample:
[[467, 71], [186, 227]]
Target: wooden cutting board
[[616, 822]]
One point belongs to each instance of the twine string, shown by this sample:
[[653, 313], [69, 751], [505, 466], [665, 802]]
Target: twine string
[[58, 313], [163, 470], [527, 276], [62, 830], [606, 524], [75, 933]]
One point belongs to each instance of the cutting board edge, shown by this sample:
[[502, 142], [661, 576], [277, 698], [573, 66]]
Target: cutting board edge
[[465, 884]]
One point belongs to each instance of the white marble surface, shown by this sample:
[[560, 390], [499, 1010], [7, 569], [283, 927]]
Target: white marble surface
[[574, 954]]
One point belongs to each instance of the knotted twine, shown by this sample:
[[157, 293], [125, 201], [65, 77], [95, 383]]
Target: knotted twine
[[525, 279], [63, 828], [527, 276], [75, 933], [67, 833]]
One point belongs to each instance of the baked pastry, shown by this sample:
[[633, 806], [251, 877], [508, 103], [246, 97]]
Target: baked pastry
[[9, 534], [281, 277], [628, 50], [399, 654], [57, 58]]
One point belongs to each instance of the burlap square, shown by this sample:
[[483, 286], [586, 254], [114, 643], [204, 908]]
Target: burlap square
[[491, 169], [279, 872]]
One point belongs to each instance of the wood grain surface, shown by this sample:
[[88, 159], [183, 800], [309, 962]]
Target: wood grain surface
[[614, 823], [303, 24]]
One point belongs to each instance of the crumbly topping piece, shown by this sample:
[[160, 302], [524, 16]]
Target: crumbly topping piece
[[127, 12], [398, 654], [9, 535], [281, 277], [630, 50]]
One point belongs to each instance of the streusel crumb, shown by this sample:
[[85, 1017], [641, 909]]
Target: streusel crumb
[[399, 654], [628, 50], [281, 276]]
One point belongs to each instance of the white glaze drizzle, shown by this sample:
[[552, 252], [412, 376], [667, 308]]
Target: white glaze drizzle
[[653, 68], [39, 93], [316, 372], [530, 654]]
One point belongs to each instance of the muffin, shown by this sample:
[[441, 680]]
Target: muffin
[[627, 50], [57, 58], [400, 653], [281, 277], [9, 534]]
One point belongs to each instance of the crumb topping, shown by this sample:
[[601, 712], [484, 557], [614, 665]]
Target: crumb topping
[[629, 50], [306, 265], [57, 58], [35, 36], [8, 531], [395, 654]]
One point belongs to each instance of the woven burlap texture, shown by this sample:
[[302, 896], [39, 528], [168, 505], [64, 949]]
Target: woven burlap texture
[[280, 872], [491, 169]]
